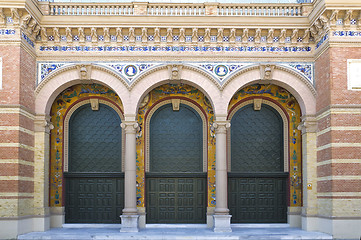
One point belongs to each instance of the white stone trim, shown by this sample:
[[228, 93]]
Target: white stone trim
[[285, 131], [66, 130], [331, 145], [19, 145], [338, 161], [354, 74], [342, 177], [16, 128], [16, 178], [147, 131], [339, 128]]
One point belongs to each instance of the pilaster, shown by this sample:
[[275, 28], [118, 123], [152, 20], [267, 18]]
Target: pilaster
[[308, 127], [42, 127]]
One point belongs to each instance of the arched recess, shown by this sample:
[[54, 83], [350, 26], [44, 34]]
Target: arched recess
[[63, 106], [93, 178], [176, 157], [285, 104], [195, 108], [187, 95], [293, 82], [63, 78], [162, 75]]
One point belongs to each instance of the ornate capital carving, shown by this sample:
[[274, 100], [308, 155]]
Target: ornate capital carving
[[130, 127], [43, 124], [220, 127], [266, 71], [308, 125]]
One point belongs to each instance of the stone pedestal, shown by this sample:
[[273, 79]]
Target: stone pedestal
[[129, 223], [222, 223]]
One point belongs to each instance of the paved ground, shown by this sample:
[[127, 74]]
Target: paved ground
[[176, 232]]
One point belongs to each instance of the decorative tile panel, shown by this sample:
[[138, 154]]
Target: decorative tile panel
[[220, 71], [173, 49], [129, 71], [7, 31], [324, 38], [27, 39], [346, 33], [306, 69], [44, 69]]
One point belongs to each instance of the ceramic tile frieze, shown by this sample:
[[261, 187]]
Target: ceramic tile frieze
[[290, 105], [130, 71]]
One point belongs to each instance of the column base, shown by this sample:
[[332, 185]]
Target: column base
[[129, 223], [222, 223]]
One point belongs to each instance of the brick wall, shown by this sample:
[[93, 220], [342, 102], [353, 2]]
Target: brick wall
[[339, 132], [17, 131]]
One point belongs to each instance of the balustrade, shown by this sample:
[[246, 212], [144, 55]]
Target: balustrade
[[174, 9]]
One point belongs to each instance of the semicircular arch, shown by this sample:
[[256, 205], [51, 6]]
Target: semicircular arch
[[47, 91], [295, 83], [189, 75]]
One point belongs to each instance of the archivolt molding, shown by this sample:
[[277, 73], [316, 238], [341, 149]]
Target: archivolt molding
[[145, 74], [69, 67], [147, 131], [302, 78], [204, 73], [285, 130], [66, 129], [299, 76], [238, 73], [53, 74]]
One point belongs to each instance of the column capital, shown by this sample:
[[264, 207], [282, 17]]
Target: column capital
[[221, 126], [42, 123], [130, 127], [308, 125]]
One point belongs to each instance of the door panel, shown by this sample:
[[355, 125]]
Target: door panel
[[257, 184], [257, 199], [176, 199], [93, 199], [176, 184], [94, 185]]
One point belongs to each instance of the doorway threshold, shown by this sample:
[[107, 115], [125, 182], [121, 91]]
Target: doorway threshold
[[90, 225]]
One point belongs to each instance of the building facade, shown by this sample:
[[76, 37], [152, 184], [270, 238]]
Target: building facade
[[213, 113]]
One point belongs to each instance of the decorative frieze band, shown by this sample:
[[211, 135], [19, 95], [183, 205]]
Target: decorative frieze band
[[220, 71], [154, 35]]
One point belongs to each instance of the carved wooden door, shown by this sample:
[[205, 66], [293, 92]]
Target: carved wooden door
[[257, 182], [176, 184], [94, 184]]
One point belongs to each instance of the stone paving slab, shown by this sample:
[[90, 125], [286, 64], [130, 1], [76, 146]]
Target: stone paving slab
[[176, 232]]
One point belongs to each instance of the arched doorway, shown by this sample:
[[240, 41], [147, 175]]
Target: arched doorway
[[176, 181], [94, 182], [257, 191]]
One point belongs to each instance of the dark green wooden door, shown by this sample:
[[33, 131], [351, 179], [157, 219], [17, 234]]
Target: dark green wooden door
[[176, 199], [176, 184], [94, 185], [257, 183]]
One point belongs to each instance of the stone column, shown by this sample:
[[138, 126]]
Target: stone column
[[308, 127], [130, 214], [222, 219], [42, 126]]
